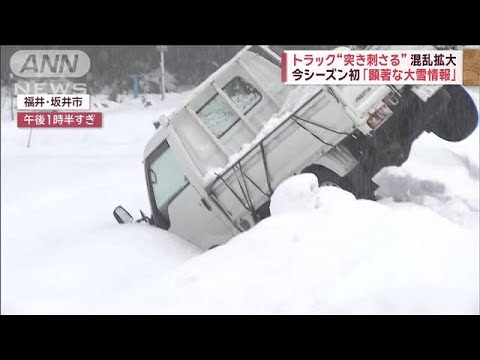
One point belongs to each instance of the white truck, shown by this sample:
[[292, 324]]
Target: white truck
[[212, 166]]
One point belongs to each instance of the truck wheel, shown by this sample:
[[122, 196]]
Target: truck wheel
[[327, 177], [460, 117]]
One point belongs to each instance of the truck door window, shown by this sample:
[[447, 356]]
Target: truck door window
[[219, 116], [166, 178]]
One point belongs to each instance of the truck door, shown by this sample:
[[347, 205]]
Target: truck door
[[177, 206]]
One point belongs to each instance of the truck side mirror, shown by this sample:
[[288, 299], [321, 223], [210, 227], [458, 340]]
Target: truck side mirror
[[122, 215]]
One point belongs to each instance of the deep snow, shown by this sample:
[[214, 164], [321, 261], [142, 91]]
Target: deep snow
[[323, 257], [414, 251]]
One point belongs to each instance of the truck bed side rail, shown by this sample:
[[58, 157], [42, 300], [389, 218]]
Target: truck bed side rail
[[241, 178]]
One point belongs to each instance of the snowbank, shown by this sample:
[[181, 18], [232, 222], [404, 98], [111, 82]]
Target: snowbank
[[324, 252], [90, 272]]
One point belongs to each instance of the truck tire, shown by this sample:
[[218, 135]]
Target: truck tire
[[460, 117], [327, 177]]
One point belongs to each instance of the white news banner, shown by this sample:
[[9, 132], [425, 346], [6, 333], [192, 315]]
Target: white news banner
[[53, 102], [350, 67]]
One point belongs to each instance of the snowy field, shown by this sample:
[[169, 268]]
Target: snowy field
[[416, 250]]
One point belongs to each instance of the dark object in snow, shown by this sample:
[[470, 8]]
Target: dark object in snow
[[459, 119], [356, 182]]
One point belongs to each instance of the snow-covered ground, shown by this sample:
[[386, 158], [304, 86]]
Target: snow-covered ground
[[414, 251]]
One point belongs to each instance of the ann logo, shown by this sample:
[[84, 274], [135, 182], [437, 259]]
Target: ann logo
[[50, 63], [59, 65]]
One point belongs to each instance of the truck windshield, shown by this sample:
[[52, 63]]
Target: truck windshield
[[166, 178]]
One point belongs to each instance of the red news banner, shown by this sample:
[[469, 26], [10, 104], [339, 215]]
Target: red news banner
[[59, 119], [66, 112]]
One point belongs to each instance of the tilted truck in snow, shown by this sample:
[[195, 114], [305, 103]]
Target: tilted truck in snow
[[212, 166]]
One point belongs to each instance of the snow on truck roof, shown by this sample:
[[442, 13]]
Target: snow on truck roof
[[159, 135]]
